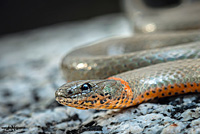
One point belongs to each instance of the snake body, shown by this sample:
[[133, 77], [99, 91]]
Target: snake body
[[176, 71]]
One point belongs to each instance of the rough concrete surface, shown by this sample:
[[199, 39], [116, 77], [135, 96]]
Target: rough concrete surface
[[30, 74]]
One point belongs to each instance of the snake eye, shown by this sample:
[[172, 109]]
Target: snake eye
[[86, 86]]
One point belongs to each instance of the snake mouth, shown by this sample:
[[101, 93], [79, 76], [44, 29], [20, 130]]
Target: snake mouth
[[69, 98], [81, 103], [60, 99]]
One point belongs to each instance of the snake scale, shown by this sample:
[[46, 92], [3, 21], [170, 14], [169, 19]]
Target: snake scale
[[125, 71]]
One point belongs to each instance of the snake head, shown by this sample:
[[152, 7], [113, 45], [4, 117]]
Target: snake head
[[89, 94]]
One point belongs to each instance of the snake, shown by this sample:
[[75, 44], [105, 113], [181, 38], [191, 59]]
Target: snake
[[122, 72]]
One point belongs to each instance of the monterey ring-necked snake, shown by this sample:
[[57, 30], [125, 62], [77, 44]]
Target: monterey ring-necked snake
[[125, 71]]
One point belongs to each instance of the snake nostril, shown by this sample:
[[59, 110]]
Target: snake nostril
[[69, 92]]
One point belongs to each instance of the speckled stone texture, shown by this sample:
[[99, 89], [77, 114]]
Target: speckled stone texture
[[30, 74]]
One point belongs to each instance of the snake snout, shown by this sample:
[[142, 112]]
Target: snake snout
[[60, 93]]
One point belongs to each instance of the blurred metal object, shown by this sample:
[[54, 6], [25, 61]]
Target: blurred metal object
[[148, 16]]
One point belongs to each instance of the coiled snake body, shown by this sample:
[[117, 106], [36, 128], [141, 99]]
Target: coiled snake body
[[161, 65]]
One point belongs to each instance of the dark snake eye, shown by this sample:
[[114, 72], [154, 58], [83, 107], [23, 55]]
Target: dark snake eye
[[86, 86]]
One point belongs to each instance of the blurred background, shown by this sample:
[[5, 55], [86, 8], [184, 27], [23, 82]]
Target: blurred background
[[146, 15], [36, 35], [23, 15]]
